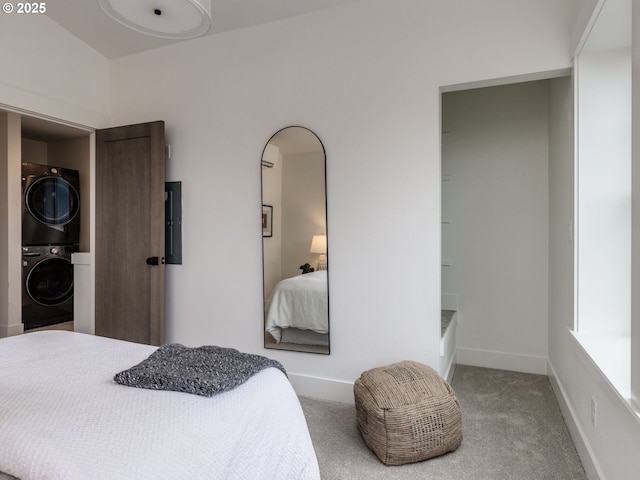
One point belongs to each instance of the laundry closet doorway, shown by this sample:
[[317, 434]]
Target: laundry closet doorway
[[495, 222], [102, 250]]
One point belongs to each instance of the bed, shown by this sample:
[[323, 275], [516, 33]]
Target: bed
[[62, 416], [298, 310]]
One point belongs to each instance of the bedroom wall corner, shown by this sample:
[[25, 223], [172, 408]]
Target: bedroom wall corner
[[383, 162]]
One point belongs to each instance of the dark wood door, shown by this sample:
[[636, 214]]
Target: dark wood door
[[130, 176]]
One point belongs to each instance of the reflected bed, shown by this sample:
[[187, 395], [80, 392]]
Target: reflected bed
[[63, 416], [298, 310]]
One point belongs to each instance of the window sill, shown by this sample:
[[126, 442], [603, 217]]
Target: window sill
[[611, 354]]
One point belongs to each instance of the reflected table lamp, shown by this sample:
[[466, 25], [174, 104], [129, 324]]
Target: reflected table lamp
[[319, 245]]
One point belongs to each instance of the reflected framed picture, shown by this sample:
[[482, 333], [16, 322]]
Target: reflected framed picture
[[267, 220]]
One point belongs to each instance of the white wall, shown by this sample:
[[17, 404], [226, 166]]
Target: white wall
[[366, 78], [47, 70], [495, 154], [608, 446], [608, 449]]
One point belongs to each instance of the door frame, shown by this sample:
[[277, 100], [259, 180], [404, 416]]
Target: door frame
[[12, 310]]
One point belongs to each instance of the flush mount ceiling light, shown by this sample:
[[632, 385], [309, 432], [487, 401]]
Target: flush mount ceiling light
[[178, 19]]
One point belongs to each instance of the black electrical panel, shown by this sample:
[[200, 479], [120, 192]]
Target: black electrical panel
[[173, 222]]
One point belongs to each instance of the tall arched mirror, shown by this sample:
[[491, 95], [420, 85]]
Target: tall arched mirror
[[294, 242]]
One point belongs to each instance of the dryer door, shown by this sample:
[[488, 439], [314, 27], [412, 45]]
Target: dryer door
[[50, 281], [52, 201]]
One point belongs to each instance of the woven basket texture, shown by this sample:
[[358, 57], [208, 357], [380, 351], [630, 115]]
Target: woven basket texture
[[407, 413]]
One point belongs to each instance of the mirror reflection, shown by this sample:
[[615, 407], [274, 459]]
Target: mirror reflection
[[294, 242]]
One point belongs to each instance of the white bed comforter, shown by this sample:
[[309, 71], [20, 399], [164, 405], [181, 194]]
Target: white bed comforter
[[63, 417], [300, 302]]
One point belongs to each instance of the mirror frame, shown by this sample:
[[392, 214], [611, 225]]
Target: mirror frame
[[317, 349]]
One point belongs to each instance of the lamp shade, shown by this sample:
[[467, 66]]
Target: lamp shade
[[179, 19], [319, 244]]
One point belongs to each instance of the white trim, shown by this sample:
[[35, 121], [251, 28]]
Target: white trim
[[589, 462], [448, 340], [84, 295], [448, 352], [11, 330], [46, 108], [450, 369], [576, 194], [502, 360], [610, 355], [323, 388], [495, 82], [597, 366], [338, 390]]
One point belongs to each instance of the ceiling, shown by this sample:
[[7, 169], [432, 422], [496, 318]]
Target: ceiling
[[86, 20]]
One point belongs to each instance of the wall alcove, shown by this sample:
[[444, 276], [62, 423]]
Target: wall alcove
[[25, 138]]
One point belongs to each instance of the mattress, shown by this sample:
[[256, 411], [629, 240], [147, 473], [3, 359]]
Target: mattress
[[63, 417], [301, 302]]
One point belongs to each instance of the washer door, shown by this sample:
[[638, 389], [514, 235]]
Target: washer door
[[52, 201], [50, 281]]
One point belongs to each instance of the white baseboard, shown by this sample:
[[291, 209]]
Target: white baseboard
[[323, 388], [587, 457], [11, 330], [502, 360], [340, 390]]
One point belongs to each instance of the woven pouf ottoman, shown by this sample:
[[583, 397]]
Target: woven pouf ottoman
[[407, 413]]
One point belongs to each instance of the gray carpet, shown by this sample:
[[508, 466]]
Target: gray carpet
[[512, 429]]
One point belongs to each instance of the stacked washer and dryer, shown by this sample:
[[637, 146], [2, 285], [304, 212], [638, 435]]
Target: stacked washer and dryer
[[50, 234]]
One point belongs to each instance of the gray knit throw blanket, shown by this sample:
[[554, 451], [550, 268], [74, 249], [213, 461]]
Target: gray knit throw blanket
[[206, 370]]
